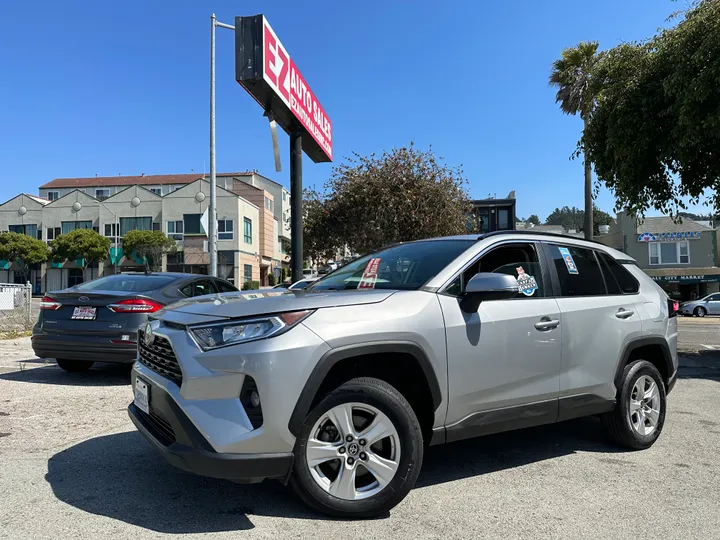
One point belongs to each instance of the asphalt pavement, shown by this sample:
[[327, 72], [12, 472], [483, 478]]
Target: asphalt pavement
[[71, 466]]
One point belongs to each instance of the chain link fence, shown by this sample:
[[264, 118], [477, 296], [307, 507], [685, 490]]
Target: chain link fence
[[16, 313]]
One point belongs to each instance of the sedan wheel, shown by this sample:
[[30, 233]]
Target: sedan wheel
[[700, 311]]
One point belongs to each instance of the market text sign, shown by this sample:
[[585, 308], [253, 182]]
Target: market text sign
[[264, 68]]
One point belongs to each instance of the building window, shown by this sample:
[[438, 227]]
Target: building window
[[503, 219], [225, 229], [156, 191], [175, 229], [29, 230], [75, 277], [248, 230], [155, 226], [284, 196], [102, 194], [128, 224], [110, 230], [247, 272], [51, 233], [192, 223], [53, 195], [669, 252], [269, 204], [69, 226]]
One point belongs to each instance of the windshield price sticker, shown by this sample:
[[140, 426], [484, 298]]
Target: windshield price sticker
[[569, 262], [370, 274]]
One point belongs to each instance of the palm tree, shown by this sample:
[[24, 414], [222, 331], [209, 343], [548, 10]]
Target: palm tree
[[571, 75]]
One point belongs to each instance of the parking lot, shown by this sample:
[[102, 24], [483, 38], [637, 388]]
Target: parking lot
[[72, 466]]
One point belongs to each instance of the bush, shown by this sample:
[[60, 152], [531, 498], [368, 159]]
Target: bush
[[284, 274], [271, 279], [251, 286]]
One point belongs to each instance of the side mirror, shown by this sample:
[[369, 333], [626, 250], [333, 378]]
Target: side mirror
[[488, 286]]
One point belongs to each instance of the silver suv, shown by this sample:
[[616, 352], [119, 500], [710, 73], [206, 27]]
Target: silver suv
[[338, 389]]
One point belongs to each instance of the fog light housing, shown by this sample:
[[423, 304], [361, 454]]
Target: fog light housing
[[250, 399]]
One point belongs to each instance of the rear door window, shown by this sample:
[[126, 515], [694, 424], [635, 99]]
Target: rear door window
[[224, 286], [199, 288], [578, 270]]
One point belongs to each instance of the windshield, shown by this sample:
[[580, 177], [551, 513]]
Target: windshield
[[126, 283], [402, 267]]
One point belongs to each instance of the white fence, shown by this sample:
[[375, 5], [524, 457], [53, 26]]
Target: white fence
[[15, 307]]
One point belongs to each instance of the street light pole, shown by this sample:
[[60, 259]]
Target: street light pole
[[212, 211]]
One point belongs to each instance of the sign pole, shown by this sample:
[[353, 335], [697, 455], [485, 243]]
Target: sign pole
[[212, 237], [296, 217]]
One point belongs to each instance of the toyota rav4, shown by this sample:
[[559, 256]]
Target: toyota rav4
[[339, 388]]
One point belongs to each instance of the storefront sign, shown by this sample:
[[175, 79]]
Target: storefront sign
[[264, 68], [687, 279], [668, 237]]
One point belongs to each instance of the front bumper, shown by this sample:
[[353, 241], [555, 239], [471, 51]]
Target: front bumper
[[197, 456], [80, 347]]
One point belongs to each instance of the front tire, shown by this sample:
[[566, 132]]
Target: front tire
[[700, 312], [639, 415], [74, 366], [359, 452]]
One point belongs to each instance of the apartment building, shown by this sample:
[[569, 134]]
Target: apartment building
[[249, 236]]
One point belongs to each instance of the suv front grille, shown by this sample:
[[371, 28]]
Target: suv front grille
[[160, 357]]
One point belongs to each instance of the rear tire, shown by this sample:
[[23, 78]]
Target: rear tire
[[74, 366], [381, 473], [700, 312], [639, 414]]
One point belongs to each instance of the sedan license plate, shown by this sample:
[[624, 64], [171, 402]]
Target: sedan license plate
[[142, 396], [84, 313]]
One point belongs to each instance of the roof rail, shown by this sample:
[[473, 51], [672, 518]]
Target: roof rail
[[539, 233]]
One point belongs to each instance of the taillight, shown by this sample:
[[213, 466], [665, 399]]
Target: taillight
[[49, 303], [136, 305], [673, 307]]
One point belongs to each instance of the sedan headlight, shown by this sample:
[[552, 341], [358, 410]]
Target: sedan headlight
[[213, 336]]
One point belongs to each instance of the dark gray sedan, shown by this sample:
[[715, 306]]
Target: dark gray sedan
[[97, 321]]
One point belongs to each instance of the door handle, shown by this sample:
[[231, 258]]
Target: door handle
[[546, 323], [623, 313]]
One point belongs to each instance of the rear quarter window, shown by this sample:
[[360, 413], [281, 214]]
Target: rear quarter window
[[624, 280], [578, 271]]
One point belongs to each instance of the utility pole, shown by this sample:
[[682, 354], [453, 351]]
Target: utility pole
[[212, 211]]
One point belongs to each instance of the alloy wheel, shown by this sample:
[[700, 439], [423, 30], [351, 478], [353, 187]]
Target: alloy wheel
[[644, 410], [353, 451]]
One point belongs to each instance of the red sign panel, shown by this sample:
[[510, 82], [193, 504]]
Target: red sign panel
[[370, 274], [264, 68], [281, 73]]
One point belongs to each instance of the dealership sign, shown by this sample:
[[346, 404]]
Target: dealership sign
[[264, 68]]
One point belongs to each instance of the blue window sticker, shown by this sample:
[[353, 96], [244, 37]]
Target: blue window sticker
[[526, 283], [569, 262]]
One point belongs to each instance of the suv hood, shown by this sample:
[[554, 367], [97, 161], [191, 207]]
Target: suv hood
[[249, 304]]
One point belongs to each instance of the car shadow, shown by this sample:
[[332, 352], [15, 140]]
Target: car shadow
[[120, 476], [99, 375], [483, 455], [700, 365]]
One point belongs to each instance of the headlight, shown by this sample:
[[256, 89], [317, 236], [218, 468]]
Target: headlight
[[213, 336]]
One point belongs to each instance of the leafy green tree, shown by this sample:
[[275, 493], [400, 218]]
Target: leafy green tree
[[574, 218], [534, 219], [320, 238], [404, 194], [23, 250], [150, 245], [85, 245], [571, 74], [655, 134]]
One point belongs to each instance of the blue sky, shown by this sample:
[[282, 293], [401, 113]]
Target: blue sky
[[107, 88]]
